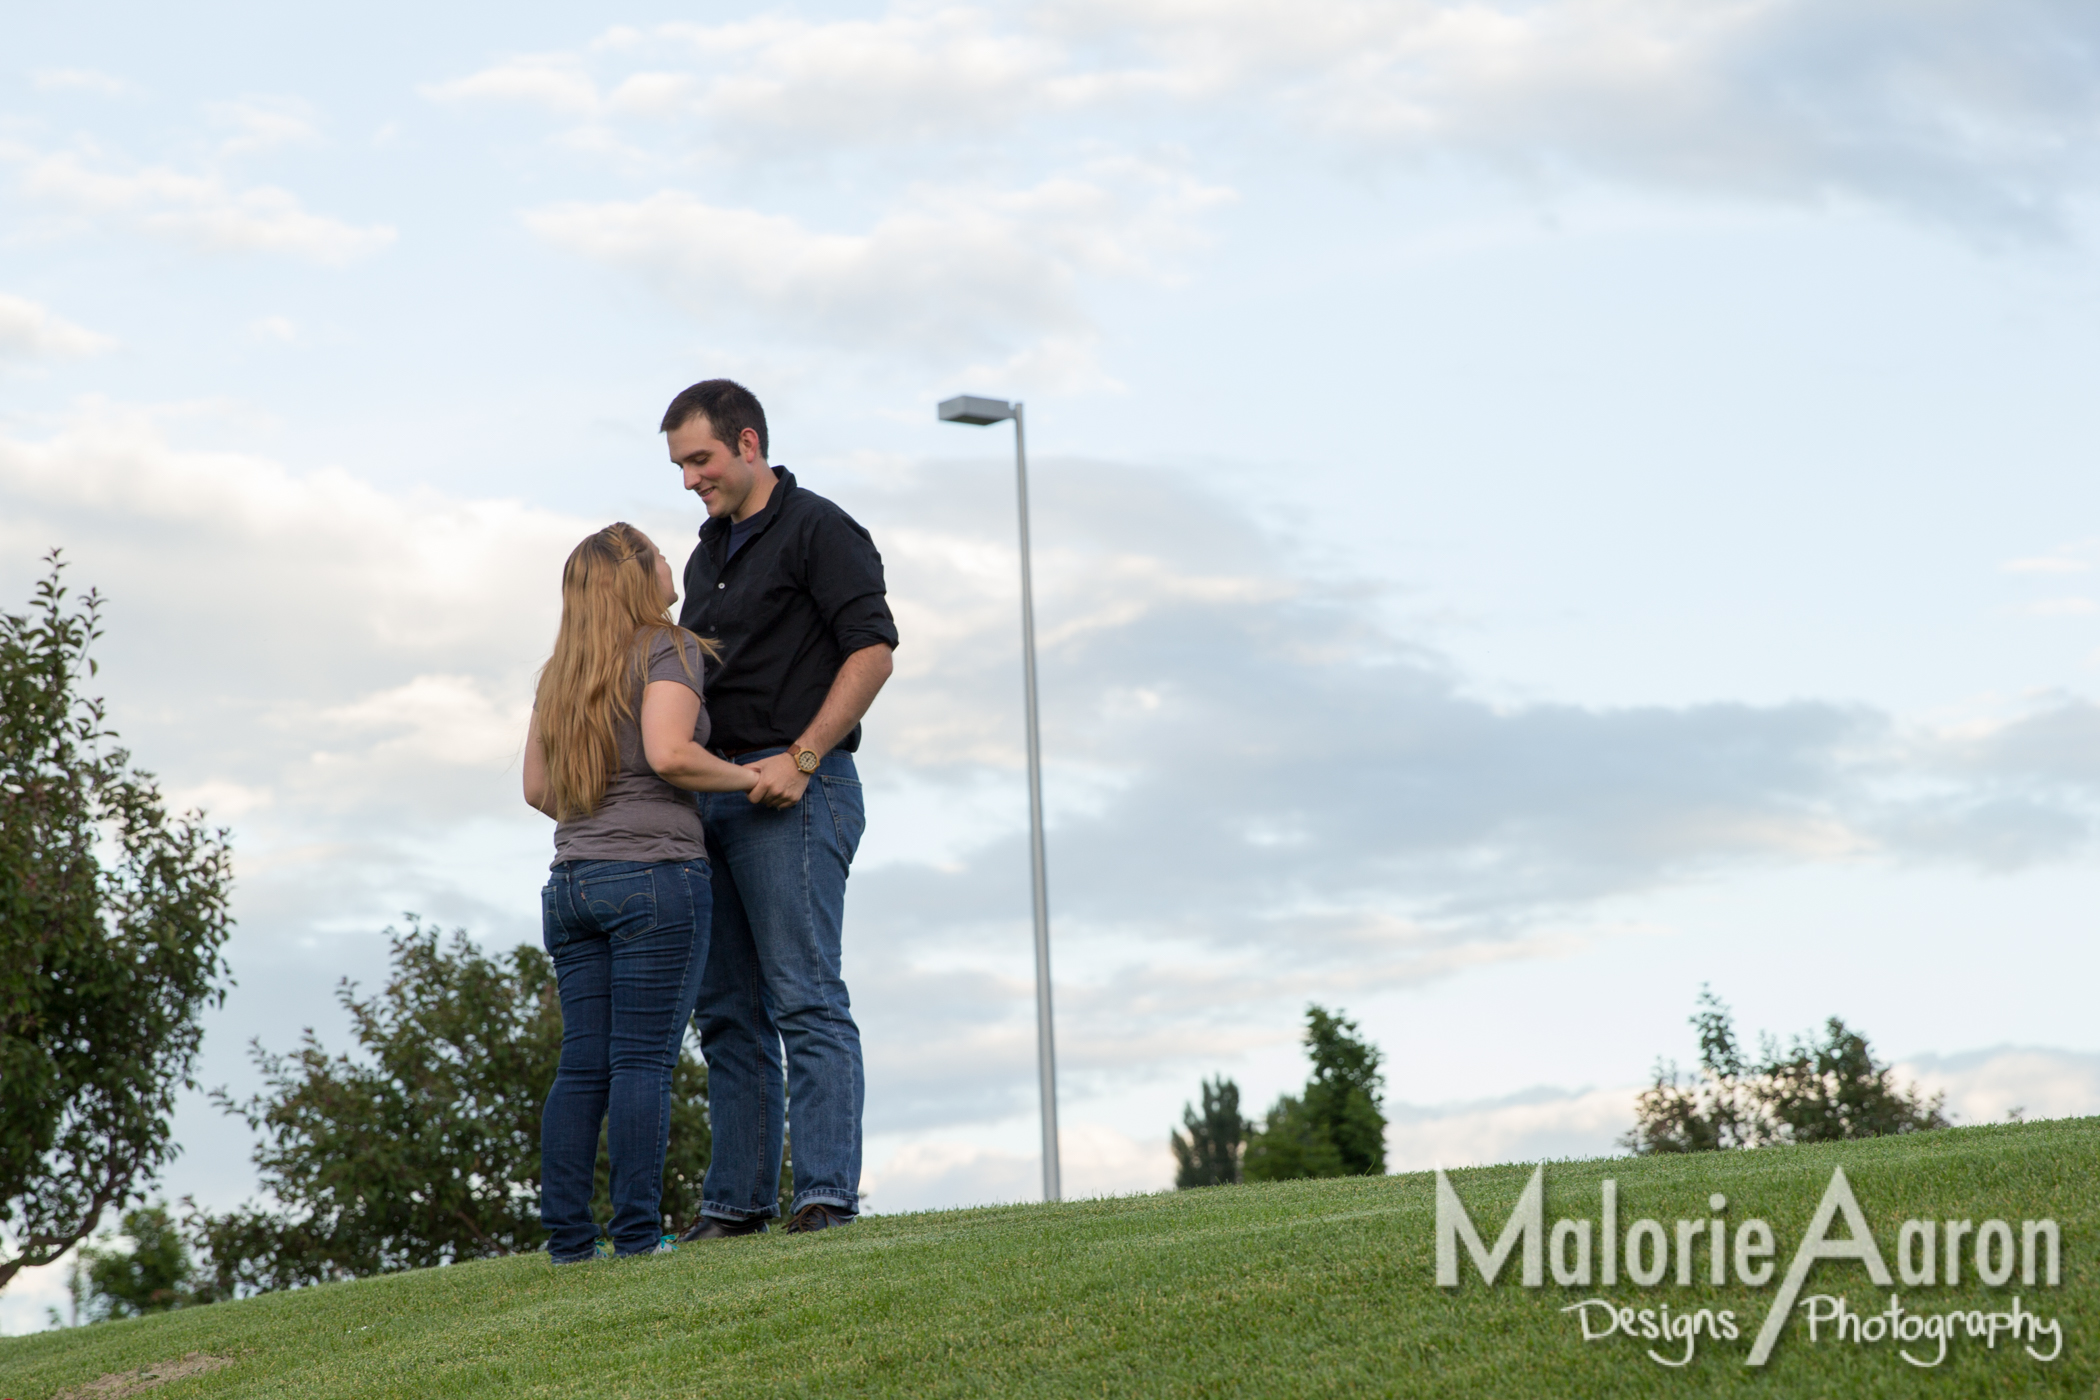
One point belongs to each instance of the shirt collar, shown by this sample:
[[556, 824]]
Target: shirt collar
[[716, 527]]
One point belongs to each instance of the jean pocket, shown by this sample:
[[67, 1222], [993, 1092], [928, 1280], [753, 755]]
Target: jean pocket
[[554, 929], [849, 815], [623, 906]]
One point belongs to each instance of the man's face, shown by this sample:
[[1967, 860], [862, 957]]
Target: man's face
[[720, 475]]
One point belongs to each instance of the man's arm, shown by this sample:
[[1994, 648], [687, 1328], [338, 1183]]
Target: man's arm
[[853, 689]]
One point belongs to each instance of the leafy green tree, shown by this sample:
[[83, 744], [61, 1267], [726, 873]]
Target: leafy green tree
[[1290, 1143], [426, 1148], [1208, 1154], [152, 1275], [1336, 1127], [112, 917], [1715, 1109], [1827, 1090]]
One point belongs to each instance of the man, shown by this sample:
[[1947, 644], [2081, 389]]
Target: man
[[790, 587]]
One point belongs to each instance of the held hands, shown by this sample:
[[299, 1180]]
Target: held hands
[[777, 782]]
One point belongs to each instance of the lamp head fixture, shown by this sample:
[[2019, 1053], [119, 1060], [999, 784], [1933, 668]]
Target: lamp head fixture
[[966, 408]]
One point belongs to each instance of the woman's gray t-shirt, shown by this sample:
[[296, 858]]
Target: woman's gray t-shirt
[[642, 817]]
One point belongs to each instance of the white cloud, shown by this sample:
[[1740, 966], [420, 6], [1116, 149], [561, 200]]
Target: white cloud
[[1973, 111], [277, 330], [554, 82], [262, 124], [200, 210], [29, 332], [330, 639], [1539, 1124], [396, 739], [2046, 564], [1989, 1086], [907, 75], [82, 80], [950, 274], [1018, 162], [417, 576]]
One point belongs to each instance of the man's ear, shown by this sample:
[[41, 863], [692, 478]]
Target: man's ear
[[747, 445]]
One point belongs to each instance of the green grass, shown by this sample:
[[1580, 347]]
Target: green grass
[[1302, 1288]]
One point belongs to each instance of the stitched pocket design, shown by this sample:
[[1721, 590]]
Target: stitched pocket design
[[623, 906]]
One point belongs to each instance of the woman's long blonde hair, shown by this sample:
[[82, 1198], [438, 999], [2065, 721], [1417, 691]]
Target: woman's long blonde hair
[[609, 604]]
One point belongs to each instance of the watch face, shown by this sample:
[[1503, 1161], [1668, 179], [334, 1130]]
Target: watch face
[[807, 760]]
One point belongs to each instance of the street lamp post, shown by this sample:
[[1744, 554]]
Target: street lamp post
[[980, 412]]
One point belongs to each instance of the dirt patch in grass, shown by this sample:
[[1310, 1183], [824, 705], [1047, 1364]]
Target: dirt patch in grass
[[145, 1377]]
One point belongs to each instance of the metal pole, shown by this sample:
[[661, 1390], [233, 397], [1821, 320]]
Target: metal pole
[[1045, 1042]]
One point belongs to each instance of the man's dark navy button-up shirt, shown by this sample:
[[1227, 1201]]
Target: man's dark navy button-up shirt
[[802, 594]]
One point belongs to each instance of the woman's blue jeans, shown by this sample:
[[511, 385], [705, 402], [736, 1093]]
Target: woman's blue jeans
[[629, 941]]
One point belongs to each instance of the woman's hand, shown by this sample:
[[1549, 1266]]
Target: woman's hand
[[669, 713]]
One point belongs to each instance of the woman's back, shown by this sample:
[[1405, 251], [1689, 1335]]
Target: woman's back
[[642, 817]]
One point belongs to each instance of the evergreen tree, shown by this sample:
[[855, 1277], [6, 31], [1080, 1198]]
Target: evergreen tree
[[1346, 1092], [1208, 1154]]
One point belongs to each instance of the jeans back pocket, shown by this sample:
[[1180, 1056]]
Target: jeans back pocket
[[622, 906]]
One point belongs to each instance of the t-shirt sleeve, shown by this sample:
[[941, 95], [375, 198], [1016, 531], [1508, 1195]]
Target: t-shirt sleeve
[[845, 578], [675, 656]]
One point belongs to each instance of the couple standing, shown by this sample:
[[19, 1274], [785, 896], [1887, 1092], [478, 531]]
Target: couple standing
[[707, 809]]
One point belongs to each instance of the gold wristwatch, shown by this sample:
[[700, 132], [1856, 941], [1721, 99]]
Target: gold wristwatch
[[806, 760]]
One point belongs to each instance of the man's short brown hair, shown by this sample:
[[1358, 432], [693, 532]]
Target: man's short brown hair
[[728, 407]]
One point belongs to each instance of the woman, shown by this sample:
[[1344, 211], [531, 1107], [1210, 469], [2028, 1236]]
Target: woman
[[618, 738]]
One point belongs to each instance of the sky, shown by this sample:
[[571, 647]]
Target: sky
[[1538, 507]]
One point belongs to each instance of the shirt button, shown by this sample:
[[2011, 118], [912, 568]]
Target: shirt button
[[721, 585]]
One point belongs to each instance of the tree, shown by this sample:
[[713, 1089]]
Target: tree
[[1209, 1153], [426, 1149], [1289, 1144], [1834, 1090], [1337, 1126], [152, 1275], [1813, 1091], [112, 917], [1346, 1092], [1717, 1109]]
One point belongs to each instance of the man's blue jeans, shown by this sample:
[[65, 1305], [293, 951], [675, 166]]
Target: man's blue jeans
[[773, 979], [629, 940]]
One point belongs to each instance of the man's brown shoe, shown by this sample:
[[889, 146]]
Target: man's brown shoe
[[711, 1228], [817, 1216]]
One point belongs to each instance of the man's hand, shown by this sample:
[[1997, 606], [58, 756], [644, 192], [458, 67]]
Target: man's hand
[[780, 783]]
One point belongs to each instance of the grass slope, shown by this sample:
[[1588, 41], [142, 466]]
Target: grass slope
[[1303, 1288]]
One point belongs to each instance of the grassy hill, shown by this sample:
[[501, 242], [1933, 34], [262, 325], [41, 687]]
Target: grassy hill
[[1301, 1288]]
